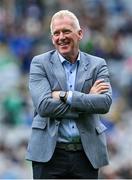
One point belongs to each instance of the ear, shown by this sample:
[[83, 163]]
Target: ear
[[80, 33]]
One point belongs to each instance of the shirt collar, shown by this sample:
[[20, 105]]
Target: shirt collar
[[62, 59]]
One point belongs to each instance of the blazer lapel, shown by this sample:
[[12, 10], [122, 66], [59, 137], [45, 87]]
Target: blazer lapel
[[82, 72], [59, 71]]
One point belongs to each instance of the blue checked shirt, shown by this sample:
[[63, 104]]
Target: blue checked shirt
[[68, 131]]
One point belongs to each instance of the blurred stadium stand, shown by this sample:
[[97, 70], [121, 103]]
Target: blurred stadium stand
[[24, 32]]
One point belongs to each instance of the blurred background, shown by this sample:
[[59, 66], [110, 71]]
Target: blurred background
[[24, 32]]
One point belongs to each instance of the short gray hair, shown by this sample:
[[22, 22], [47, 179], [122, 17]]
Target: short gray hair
[[62, 14]]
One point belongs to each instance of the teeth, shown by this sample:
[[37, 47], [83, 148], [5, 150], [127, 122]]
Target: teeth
[[63, 44]]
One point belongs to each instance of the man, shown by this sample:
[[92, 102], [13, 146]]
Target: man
[[69, 89]]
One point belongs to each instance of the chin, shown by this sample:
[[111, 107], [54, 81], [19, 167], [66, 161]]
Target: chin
[[64, 50], [66, 55]]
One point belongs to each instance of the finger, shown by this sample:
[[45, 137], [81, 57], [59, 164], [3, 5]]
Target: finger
[[102, 85], [103, 91], [102, 88], [98, 82]]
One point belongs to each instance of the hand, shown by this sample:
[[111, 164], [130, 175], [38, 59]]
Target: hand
[[99, 87], [55, 94]]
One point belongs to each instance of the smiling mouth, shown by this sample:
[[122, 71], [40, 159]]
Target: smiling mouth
[[63, 43]]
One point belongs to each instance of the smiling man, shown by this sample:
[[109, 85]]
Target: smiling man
[[69, 89]]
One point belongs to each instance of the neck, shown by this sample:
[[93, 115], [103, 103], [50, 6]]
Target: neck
[[72, 58]]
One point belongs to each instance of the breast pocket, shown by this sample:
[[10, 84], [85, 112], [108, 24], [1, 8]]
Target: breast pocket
[[87, 85]]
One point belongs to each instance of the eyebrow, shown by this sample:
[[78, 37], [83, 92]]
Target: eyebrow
[[63, 30]]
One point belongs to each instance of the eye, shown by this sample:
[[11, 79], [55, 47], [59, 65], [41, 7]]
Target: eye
[[56, 33], [66, 31]]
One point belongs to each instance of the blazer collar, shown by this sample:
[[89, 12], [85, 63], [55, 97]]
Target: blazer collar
[[59, 71], [81, 71]]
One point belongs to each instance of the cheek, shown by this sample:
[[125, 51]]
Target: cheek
[[54, 41], [75, 39]]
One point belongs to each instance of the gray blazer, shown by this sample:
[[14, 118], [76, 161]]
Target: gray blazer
[[47, 75]]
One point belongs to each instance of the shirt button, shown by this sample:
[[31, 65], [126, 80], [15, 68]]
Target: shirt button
[[72, 126], [71, 72], [70, 86]]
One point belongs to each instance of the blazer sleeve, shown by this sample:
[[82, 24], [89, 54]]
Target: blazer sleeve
[[94, 103], [40, 91]]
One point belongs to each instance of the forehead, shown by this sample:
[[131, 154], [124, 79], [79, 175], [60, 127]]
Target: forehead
[[62, 22]]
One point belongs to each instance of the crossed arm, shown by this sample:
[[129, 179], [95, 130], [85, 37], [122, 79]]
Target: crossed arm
[[48, 104], [99, 87]]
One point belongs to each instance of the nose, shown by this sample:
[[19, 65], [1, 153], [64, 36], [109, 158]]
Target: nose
[[62, 36]]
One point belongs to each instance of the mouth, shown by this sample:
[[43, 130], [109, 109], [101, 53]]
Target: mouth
[[64, 43]]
